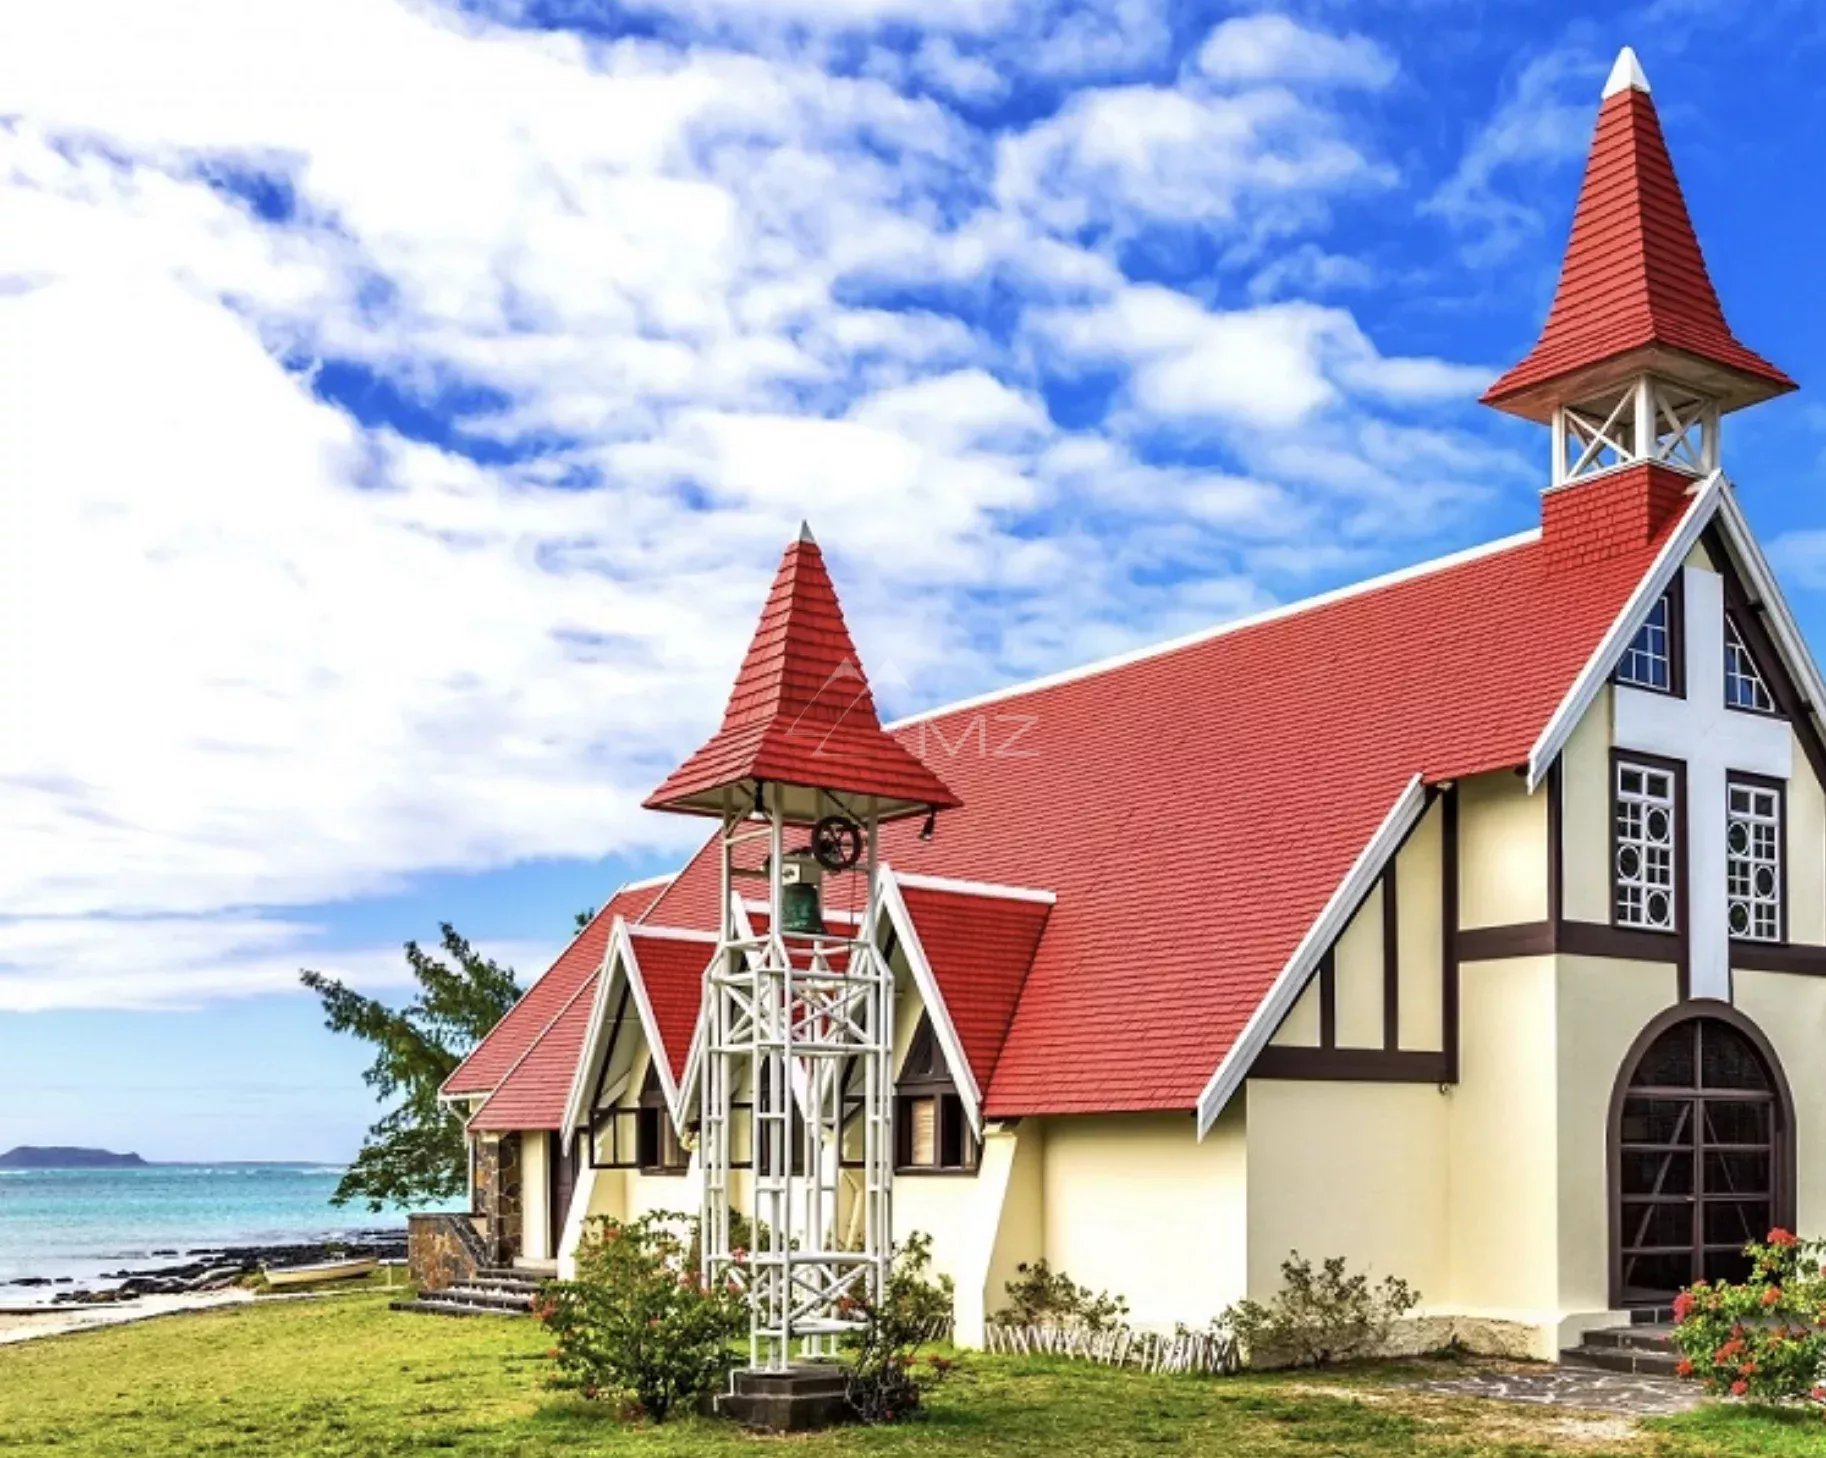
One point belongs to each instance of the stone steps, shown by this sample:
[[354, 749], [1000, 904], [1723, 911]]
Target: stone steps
[[1642, 1348], [494, 1291], [434, 1306]]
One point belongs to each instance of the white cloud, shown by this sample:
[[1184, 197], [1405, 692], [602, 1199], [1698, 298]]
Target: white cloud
[[1271, 366], [280, 656], [1268, 47], [1138, 153], [178, 962]]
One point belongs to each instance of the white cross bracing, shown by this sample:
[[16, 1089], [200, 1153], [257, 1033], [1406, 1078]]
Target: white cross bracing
[[1649, 420], [1713, 740], [805, 1025]]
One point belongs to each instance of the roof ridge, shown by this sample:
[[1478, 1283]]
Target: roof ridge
[[1194, 639]]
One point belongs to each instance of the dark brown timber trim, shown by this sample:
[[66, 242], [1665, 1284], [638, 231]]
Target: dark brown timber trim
[[1556, 847], [1353, 1065], [1448, 921], [1328, 1000], [1493, 943], [1391, 962]]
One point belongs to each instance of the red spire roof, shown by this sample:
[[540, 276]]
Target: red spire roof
[[1634, 293], [801, 715]]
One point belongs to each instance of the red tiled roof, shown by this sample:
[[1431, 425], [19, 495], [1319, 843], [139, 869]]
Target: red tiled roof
[[980, 948], [489, 1061], [1634, 278], [672, 971], [1194, 808], [801, 712], [536, 1089]]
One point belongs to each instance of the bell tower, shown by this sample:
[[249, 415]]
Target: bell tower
[[1636, 364], [796, 1099]]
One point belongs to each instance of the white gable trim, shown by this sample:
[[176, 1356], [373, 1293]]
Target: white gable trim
[[1706, 499], [621, 956], [891, 902], [975, 888], [1760, 579], [1291, 982]]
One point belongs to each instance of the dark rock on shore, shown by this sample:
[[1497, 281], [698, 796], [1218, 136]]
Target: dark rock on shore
[[212, 1269]]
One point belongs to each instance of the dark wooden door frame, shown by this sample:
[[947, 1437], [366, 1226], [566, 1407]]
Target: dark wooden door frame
[[1782, 1150]]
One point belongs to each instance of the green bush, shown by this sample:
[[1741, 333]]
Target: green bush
[[1320, 1316], [886, 1380], [1762, 1339], [1041, 1296], [637, 1325]]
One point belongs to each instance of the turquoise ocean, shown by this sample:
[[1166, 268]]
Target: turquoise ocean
[[81, 1222]]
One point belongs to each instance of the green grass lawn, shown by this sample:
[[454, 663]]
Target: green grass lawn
[[347, 1376]]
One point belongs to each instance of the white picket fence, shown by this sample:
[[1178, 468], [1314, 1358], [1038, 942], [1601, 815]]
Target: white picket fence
[[1119, 1346]]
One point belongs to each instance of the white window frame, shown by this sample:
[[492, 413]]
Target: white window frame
[[1753, 861], [1642, 649], [1741, 668], [1644, 866]]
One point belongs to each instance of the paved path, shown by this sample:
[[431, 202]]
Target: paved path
[[1573, 1387]]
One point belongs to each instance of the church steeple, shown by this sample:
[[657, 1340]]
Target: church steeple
[[1636, 362]]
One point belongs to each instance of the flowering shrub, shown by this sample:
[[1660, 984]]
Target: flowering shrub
[[637, 1326], [1041, 1296], [1320, 1315], [887, 1381], [1766, 1338]]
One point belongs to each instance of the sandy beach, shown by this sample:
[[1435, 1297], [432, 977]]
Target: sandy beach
[[59, 1320]]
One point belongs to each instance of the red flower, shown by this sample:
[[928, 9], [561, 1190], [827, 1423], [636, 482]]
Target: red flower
[[1685, 1368], [1782, 1238], [1772, 1296], [1818, 1394], [1739, 1388], [1683, 1307]]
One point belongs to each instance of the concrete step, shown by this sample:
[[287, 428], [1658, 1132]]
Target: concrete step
[[479, 1296], [505, 1283], [436, 1306], [1640, 1361], [1640, 1338]]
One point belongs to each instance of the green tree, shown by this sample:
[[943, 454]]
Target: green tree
[[415, 1153]]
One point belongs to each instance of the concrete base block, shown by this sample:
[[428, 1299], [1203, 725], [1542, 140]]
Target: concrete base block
[[794, 1401]]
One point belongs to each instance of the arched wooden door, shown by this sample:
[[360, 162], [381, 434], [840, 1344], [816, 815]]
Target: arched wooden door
[[1702, 1154]]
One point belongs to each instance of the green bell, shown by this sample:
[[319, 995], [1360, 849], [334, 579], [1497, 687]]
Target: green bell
[[801, 909]]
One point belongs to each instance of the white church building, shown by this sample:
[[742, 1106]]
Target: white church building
[[1469, 923]]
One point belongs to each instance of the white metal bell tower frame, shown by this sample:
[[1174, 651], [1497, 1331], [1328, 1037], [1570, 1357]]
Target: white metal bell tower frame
[[803, 1024]]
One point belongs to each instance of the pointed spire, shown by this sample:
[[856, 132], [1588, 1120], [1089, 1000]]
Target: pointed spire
[[1626, 75], [1634, 293], [801, 718], [805, 533]]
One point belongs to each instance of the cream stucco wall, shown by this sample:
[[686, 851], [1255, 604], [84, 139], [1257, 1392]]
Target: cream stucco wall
[[1585, 815], [1300, 1028], [1135, 1204], [1351, 1169], [1502, 848], [535, 1197], [1420, 936], [1357, 959], [1603, 1005], [1791, 1011], [1806, 848]]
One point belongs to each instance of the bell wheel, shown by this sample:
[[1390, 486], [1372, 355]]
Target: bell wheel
[[837, 842]]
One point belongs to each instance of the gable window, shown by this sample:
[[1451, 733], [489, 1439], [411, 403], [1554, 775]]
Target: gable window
[[659, 1152], [1651, 661], [931, 1134], [1645, 843], [1753, 860], [1744, 685]]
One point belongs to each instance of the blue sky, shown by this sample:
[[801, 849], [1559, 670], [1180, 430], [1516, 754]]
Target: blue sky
[[406, 404]]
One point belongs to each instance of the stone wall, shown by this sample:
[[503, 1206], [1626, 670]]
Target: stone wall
[[441, 1251], [498, 1196]]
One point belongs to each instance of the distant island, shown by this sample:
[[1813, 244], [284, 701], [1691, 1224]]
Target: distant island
[[30, 1156]]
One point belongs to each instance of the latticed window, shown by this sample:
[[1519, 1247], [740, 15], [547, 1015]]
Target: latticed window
[[1645, 846], [1753, 861], [930, 1131], [1744, 686], [1648, 662]]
